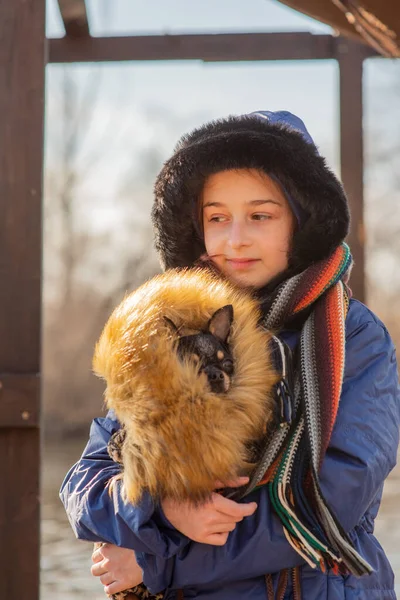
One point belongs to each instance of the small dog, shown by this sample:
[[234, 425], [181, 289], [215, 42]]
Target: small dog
[[208, 350]]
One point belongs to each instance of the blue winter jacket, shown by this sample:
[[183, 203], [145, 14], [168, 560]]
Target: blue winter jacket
[[361, 454]]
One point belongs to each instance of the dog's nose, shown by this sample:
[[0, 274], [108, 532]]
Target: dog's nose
[[214, 374], [218, 382]]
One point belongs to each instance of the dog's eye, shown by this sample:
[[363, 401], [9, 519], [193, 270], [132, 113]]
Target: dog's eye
[[227, 366]]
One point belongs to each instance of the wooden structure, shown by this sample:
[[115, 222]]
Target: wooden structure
[[22, 60], [375, 22], [23, 54]]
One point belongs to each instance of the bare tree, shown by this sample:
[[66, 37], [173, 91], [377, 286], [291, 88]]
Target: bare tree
[[82, 279], [383, 200]]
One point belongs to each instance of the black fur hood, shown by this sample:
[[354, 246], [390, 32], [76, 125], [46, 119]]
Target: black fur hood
[[276, 143]]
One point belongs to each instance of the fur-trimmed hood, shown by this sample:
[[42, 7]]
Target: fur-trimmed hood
[[181, 437], [276, 143]]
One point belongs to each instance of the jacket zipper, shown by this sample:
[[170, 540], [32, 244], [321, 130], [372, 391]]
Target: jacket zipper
[[296, 581]]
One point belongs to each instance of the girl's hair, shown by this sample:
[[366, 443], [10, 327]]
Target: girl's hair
[[200, 212]]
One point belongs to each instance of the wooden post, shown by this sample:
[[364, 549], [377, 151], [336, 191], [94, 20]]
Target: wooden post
[[350, 56], [74, 16], [22, 59]]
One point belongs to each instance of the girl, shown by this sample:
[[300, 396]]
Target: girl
[[252, 198]]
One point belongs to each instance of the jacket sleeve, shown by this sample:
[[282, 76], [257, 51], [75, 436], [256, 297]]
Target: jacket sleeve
[[97, 516], [361, 454]]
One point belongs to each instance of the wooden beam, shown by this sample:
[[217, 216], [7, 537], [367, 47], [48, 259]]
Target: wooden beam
[[74, 16], [351, 155], [206, 47], [337, 15], [22, 58]]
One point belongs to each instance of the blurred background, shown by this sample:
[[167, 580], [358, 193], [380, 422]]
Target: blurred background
[[108, 129]]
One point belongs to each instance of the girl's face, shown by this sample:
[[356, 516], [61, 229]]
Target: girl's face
[[248, 226]]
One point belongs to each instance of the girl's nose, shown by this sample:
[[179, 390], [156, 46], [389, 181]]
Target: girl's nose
[[238, 235]]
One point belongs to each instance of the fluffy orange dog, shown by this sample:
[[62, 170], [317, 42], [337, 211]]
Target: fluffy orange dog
[[180, 436]]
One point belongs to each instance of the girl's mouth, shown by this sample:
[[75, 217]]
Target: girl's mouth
[[241, 263]]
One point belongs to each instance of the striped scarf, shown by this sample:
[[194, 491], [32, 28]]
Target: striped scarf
[[294, 453]]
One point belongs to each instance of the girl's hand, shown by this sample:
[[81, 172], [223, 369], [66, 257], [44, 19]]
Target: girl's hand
[[212, 522], [116, 567]]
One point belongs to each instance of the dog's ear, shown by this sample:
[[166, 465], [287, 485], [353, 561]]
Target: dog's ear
[[220, 323], [172, 326]]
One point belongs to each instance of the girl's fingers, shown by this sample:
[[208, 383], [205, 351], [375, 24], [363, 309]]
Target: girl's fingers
[[223, 528], [232, 483], [113, 588], [107, 579], [221, 518], [98, 569], [232, 508], [217, 539], [97, 556]]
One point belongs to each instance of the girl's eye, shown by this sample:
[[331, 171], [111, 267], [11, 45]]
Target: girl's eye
[[255, 217], [217, 219], [261, 217]]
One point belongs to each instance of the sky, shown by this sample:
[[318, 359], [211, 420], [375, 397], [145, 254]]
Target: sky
[[124, 17]]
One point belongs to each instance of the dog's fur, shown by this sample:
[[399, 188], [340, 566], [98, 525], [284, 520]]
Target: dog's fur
[[181, 437]]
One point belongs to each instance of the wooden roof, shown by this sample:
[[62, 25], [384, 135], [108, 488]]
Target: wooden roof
[[376, 22]]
